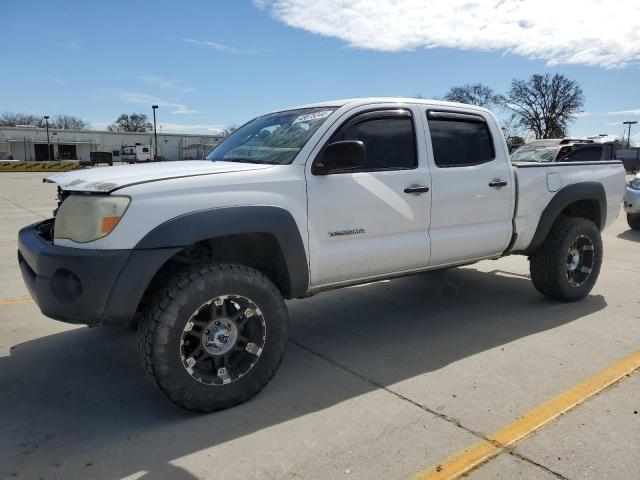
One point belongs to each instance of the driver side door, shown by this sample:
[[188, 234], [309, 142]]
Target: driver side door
[[374, 219]]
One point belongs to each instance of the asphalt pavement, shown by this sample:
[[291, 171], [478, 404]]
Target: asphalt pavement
[[380, 381]]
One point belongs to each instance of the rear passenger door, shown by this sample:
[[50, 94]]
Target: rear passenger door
[[472, 187]]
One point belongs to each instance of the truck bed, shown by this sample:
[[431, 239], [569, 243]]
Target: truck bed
[[537, 183]]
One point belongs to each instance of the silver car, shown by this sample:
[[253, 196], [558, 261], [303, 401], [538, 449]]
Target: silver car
[[632, 202]]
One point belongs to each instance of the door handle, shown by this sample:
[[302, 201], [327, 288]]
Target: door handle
[[498, 183], [416, 189]]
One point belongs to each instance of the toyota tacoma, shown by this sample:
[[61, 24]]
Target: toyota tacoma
[[200, 256]]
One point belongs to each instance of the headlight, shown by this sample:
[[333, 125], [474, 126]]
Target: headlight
[[635, 184], [84, 218]]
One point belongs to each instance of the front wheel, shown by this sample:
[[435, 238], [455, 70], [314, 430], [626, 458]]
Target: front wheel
[[215, 336], [567, 264], [633, 219]]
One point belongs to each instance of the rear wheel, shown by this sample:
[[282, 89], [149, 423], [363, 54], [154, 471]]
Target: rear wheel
[[567, 264], [215, 336], [633, 219]]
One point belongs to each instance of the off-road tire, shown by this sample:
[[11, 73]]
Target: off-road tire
[[162, 325], [633, 219], [548, 264]]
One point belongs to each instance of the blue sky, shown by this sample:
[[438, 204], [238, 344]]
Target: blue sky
[[219, 62]]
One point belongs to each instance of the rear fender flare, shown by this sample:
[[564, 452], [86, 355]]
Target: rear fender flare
[[565, 197]]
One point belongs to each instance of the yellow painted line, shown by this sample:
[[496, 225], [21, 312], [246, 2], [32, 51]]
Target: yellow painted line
[[13, 301], [483, 451]]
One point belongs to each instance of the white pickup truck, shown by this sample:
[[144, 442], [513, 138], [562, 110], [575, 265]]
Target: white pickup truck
[[200, 255]]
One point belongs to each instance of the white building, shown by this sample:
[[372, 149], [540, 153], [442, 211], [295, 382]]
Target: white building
[[30, 143]]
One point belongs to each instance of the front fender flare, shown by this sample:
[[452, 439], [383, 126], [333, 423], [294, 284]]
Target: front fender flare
[[194, 227]]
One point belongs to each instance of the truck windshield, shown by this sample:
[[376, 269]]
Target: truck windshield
[[275, 138], [534, 154]]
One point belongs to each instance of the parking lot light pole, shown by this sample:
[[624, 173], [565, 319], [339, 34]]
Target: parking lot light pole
[[629, 136], [46, 122], [155, 133]]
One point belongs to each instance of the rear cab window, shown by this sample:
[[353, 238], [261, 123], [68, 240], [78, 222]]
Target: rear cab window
[[459, 140]]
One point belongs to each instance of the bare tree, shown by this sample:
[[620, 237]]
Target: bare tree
[[136, 122], [11, 119], [513, 132], [545, 105], [228, 131], [68, 122], [484, 96], [476, 94], [64, 122]]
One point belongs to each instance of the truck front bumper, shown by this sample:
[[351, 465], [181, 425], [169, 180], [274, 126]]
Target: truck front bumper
[[631, 200], [77, 285]]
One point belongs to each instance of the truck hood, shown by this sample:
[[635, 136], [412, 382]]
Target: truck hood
[[107, 179]]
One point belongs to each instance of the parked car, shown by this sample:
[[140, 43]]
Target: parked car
[[294, 203], [564, 150], [632, 202]]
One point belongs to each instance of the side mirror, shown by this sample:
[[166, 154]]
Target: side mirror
[[337, 156]]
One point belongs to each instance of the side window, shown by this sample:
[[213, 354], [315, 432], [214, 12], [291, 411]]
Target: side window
[[389, 141], [459, 142], [584, 154]]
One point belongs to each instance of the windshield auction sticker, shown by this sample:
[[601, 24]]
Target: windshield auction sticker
[[313, 116]]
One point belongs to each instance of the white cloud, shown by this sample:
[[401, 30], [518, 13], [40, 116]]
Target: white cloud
[[210, 129], [165, 83], [635, 111], [609, 137], [145, 99], [221, 46], [99, 125], [583, 32], [224, 47], [215, 45], [170, 127]]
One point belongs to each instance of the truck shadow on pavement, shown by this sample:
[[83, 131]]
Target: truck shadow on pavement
[[633, 235], [78, 405]]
